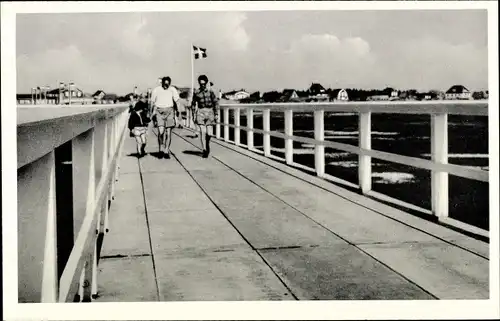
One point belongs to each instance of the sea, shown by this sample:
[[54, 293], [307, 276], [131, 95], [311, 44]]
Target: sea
[[402, 134]]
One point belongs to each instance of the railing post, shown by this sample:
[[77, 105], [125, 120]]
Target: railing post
[[319, 134], [90, 276], [84, 204], [113, 149], [289, 132], [217, 126], [250, 130], [237, 129], [266, 119], [37, 220], [49, 281], [439, 152], [226, 123], [120, 124], [365, 166], [111, 137], [102, 217]]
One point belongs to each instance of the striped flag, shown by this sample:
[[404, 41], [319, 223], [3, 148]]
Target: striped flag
[[199, 53]]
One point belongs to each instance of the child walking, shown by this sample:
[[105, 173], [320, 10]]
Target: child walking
[[138, 124]]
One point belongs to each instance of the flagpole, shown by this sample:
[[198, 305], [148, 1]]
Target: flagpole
[[189, 118], [192, 72]]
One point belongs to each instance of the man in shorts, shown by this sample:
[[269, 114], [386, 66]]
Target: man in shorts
[[163, 100], [205, 106]]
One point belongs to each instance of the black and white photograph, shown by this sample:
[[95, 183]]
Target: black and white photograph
[[238, 157]]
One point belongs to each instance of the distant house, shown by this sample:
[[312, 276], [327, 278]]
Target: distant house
[[255, 97], [428, 96], [24, 99], [62, 95], [317, 91], [378, 97], [100, 97], [339, 94], [394, 95], [55, 96], [342, 95], [458, 92], [289, 95], [236, 95], [302, 93]]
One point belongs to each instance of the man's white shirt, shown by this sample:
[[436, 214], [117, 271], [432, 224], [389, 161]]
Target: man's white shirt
[[164, 98]]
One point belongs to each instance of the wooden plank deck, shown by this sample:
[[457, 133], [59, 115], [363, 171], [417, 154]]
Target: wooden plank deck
[[237, 226]]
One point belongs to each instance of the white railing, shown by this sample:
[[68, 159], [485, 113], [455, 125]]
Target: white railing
[[438, 165], [67, 166]]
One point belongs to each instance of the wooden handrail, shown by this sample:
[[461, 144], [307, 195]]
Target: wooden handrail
[[438, 111], [452, 107], [457, 170], [95, 136], [87, 236]]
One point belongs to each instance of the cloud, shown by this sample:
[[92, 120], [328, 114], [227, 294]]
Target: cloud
[[433, 63], [71, 64], [53, 65], [134, 39], [133, 47], [115, 51], [229, 30], [329, 49], [327, 59]]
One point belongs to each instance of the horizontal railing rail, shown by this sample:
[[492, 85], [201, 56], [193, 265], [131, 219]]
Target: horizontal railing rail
[[454, 107], [67, 166], [438, 164]]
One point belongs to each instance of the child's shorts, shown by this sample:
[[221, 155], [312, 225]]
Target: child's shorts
[[138, 131]]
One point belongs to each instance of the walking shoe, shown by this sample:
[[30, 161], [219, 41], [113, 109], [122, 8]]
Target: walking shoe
[[166, 155], [143, 149], [205, 154]]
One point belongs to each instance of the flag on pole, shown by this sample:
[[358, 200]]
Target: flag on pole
[[199, 53]]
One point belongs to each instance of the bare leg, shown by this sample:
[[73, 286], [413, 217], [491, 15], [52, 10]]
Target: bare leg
[[168, 139], [202, 137], [144, 141], [208, 135], [193, 117], [188, 117], [161, 138], [139, 145]]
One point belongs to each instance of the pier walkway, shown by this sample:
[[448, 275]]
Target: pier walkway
[[239, 226]]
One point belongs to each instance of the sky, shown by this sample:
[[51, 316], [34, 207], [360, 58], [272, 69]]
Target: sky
[[255, 50]]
